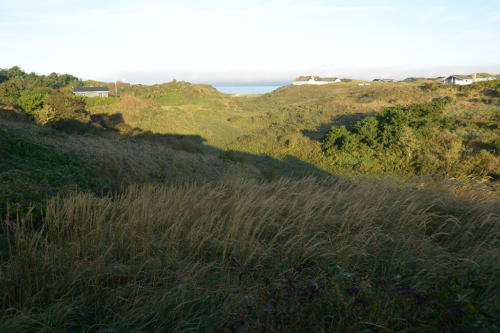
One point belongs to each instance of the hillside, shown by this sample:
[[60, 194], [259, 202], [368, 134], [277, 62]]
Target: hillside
[[174, 206], [293, 120]]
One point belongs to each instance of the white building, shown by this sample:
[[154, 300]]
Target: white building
[[314, 80], [467, 79]]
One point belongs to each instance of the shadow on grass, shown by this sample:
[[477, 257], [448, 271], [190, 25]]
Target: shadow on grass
[[114, 127], [31, 171], [287, 167], [347, 120], [12, 114]]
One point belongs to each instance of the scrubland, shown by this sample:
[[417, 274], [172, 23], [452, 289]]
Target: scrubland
[[178, 208]]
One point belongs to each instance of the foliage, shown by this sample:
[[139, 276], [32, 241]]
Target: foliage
[[486, 84], [32, 80], [3, 77], [10, 91], [416, 138], [64, 113], [339, 138], [367, 131], [28, 91], [31, 102], [231, 155], [91, 102]]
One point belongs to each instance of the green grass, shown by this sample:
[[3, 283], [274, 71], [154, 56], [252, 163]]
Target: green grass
[[32, 172]]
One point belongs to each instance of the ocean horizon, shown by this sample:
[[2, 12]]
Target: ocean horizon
[[249, 87]]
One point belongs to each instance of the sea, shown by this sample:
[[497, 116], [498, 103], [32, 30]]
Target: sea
[[249, 88]]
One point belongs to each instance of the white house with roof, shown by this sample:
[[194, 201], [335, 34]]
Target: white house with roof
[[467, 79], [314, 80]]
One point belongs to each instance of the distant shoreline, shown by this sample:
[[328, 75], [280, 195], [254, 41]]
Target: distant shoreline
[[249, 88]]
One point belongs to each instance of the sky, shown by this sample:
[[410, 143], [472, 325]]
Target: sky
[[245, 41]]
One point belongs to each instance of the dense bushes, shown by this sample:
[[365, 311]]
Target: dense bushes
[[64, 113], [10, 91], [30, 102], [29, 91], [32, 80], [387, 128], [97, 101], [415, 139]]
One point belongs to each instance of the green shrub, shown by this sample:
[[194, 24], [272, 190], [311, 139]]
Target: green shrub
[[30, 102], [367, 130], [486, 84], [10, 91], [231, 155], [430, 86], [97, 101], [402, 138], [64, 113], [485, 164], [339, 139]]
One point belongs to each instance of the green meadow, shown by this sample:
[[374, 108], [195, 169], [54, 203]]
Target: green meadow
[[175, 207]]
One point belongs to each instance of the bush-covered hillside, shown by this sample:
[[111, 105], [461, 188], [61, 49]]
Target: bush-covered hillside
[[416, 139]]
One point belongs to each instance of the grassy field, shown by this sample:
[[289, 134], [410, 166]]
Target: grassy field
[[335, 255], [175, 207]]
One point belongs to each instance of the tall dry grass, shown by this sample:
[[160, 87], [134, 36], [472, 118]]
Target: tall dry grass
[[199, 257]]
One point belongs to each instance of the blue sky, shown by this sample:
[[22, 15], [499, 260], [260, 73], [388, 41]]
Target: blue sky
[[274, 40]]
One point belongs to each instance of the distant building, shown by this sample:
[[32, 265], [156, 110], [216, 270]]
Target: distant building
[[314, 80], [467, 79], [384, 80], [91, 91]]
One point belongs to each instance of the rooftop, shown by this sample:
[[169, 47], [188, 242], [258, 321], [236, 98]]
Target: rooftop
[[85, 89], [478, 75]]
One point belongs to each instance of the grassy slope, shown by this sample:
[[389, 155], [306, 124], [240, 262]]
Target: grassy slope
[[182, 108], [246, 256], [291, 120]]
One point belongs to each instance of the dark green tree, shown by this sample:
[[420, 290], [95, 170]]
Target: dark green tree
[[10, 91], [64, 113], [30, 102]]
